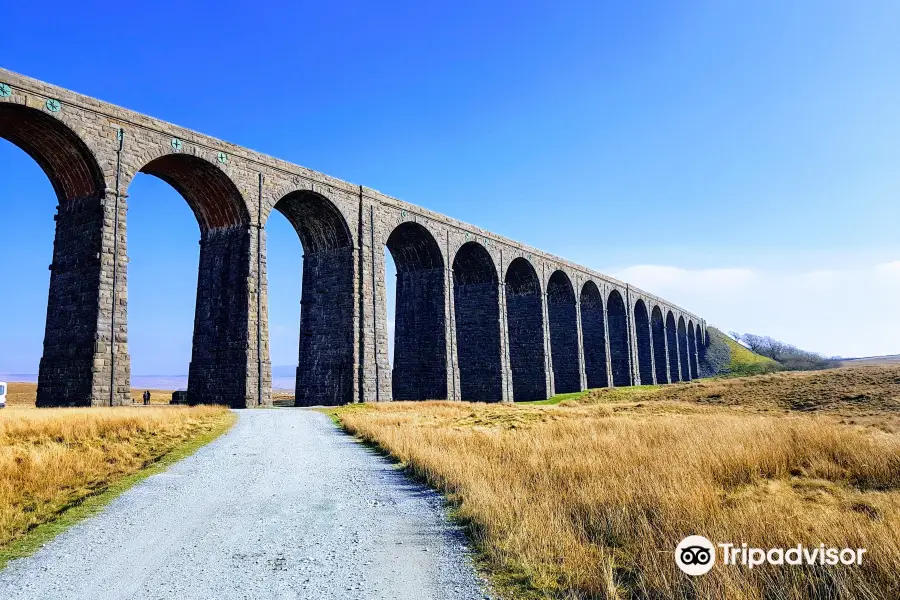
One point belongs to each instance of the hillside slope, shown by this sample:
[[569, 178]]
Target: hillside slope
[[724, 356], [864, 394]]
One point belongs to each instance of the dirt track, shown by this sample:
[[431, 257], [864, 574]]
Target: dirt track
[[282, 506]]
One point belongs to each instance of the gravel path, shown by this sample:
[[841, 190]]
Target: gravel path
[[282, 506]]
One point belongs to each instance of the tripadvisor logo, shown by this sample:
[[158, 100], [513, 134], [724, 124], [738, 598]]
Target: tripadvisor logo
[[696, 555]]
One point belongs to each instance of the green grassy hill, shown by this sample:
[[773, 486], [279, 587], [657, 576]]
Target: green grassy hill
[[724, 356]]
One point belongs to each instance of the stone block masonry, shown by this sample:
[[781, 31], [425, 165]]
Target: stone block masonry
[[220, 355], [325, 371], [478, 316], [70, 349], [563, 321]]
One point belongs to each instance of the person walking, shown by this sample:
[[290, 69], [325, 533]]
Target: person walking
[[146, 397]]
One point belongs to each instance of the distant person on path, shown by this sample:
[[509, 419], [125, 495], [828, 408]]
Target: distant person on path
[[146, 397]]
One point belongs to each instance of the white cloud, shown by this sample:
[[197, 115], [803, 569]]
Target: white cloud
[[711, 281], [888, 270], [835, 312]]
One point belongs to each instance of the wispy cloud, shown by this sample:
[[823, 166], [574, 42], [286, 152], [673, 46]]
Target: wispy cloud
[[841, 312]]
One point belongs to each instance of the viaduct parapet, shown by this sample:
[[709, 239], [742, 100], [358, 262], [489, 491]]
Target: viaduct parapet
[[478, 316]]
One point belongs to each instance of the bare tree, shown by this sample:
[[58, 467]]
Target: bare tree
[[788, 355]]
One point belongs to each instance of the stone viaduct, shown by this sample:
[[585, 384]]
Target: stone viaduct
[[478, 316]]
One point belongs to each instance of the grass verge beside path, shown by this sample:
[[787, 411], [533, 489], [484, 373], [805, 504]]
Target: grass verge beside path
[[589, 500], [58, 466]]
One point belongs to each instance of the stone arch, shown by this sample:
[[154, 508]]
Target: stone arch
[[73, 170], [562, 318], [420, 348], [619, 352], [683, 352], [593, 336], [212, 195], [325, 359], [72, 332], [476, 305], [525, 324], [642, 337], [701, 343], [658, 331], [692, 350], [220, 353], [672, 345]]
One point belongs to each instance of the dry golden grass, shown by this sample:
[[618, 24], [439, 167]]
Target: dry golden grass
[[282, 398], [860, 394], [21, 394], [156, 396], [590, 501], [52, 459], [25, 394]]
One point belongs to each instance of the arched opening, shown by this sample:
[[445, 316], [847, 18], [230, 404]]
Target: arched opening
[[620, 360], [645, 353], [672, 344], [64, 157], [692, 350], [476, 303], [659, 345], [220, 358], [563, 320], [701, 345], [524, 315], [163, 260], [324, 373], [420, 351], [72, 335], [209, 192], [683, 352], [593, 336]]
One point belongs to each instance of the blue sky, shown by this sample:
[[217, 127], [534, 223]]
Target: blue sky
[[740, 159]]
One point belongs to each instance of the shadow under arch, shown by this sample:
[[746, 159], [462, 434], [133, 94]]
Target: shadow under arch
[[525, 327], [658, 329], [562, 317], [420, 340], [619, 351], [73, 334], [593, 336], [476, 305], [325, 356], [209, 191], [683, 351], [692, 350], [220, 353], [672, 345], [701, 346], [642, 337], [67, 161]]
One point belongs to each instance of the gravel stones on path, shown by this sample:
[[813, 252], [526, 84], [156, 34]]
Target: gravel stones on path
[[282, 506]]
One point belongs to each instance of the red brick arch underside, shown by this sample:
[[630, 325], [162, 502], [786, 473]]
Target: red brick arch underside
[[65, 158], [214, 198]]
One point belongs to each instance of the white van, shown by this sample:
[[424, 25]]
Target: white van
[[2, 394]]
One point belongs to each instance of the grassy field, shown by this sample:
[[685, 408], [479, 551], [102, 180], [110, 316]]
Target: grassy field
[[893, 359], [23, 395], [57, 465], [858, 395], [745, 362], [588, 498]]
